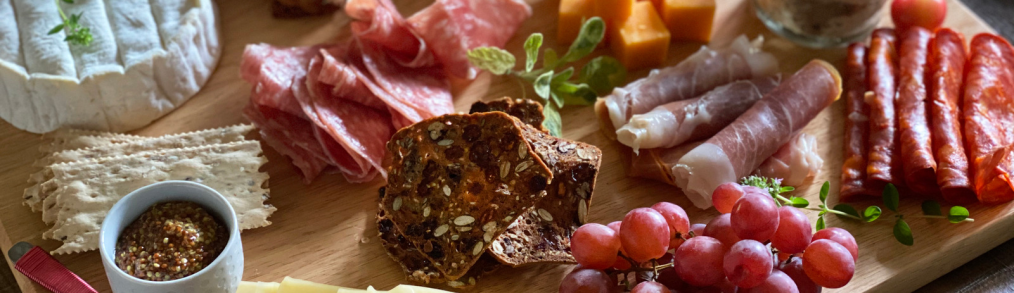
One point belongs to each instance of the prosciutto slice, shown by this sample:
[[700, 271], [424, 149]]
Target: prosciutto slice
[[674, 123], [739, 149], [795, 162], [989, 118], [698, 74]]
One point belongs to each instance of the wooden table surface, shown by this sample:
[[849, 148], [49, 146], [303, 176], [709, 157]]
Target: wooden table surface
[[989, 273]]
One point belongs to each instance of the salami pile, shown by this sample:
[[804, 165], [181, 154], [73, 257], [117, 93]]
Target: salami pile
[[337, 105], [929, 115]]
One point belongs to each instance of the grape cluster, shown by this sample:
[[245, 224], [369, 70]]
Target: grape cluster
[[755, 245]]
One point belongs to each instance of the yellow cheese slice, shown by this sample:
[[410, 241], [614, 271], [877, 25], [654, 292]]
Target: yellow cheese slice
[[267, 287], [293, 285], [246, 287]]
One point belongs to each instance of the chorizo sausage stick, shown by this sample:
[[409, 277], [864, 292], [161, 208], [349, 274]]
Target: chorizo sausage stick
[[918, 164], [883, 166], [857, 129], [947, 72], [989, 117]]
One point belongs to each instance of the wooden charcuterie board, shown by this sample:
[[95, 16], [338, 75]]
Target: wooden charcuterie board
[[325, 231]]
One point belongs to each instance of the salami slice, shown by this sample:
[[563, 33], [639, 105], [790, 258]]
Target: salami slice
[[378, 22], [946, 74], [989, 118], [271, 71], [291, 136], [883, 164], [857, 129], [914, 133]]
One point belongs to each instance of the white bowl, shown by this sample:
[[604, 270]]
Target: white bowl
[[222, 275]]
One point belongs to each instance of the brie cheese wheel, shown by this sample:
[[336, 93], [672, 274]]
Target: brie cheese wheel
[[146, 58]]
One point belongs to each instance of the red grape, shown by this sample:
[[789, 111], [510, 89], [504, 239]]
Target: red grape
[[794, 231], [587, 281], [699, 261], [841, 236], [595, 246], [615, 225], [621, 264], [828, 263], [748, 263], [720, 228], [777, 282], [698, 229], [725, 196], [649, 287], [794, 268], [644, 234], [675, 216], [668, 276], [755, 216], [785, 256]]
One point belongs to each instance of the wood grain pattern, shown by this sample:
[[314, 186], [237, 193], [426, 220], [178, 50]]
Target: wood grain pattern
[[324, 232]]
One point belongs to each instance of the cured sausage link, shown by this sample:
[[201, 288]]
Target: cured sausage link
[[914, 133], [989, 117], [857, 129], [947, 71], [883, 166]]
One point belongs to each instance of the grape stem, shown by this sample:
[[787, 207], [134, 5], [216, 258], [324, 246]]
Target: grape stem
[[836, 212], [943, 217]]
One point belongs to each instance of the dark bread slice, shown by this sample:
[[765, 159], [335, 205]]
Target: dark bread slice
[[458, 181], [543, 235], [528, 111]]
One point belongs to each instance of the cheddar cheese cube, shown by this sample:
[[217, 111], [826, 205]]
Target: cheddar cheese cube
[[689, 20], [613, 11], [642, 39], [571, 17]]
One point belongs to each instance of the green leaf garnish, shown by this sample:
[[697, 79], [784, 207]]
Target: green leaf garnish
[[603, 73], [872, 213], [891, 197], [902, 232], [824, 189], [931, 208], [798, 202], [75, 33], [549, 58], [532, 46], [820, 223], [495, 60], [553, 121], [542, 85], [592, 32], [577, 94], [848, 209], [957, 214]]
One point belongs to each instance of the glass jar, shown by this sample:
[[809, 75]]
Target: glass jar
[[820, 23]]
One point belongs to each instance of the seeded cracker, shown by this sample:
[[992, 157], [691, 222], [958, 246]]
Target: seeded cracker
[[530, 112], [88, 189], [454, 182], [35, 195]]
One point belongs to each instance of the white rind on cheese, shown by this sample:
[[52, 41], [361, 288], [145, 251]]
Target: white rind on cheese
[[147, 57]]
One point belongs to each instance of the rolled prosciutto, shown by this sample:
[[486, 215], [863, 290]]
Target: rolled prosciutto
[[918, 164], [857, 129], [883, 165], [946, 74], [657, 164], [698, 74], [989, 117], [795, 162], [674, 123], [739, 149]]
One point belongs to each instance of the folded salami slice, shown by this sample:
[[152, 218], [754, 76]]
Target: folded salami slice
[[989, 118], [884, 162], [857, 129], [378, 22], [946, 74], [674, 123], [739, 149], [692, 77], [914, 133]]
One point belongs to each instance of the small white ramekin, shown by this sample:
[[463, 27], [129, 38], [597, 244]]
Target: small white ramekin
[[222, 275]]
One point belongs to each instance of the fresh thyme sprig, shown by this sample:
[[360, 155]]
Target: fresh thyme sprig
[[76, 34]]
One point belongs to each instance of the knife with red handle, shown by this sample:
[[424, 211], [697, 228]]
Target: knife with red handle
[[42, 268]]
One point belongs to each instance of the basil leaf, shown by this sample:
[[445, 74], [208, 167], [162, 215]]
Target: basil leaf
[[903, 233], [549, 58], [848, 209], [799, 202], [532, 46], [603, 74], [872, 213], [891, 197], [56, 29], [495, 60], [824, 189], [931, 208], [820, 223], [553, 121], [957, 214], [543, 85], [592, 32]]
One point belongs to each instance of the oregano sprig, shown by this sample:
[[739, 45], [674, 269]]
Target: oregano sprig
[[76, 34], [555, 87]]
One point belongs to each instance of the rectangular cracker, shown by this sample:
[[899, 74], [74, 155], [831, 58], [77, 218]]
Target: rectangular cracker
[[69, 139], [457, 181], [88, 189], [35, 195]]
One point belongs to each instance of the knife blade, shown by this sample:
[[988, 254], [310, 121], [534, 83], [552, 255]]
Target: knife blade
[[42, 268]]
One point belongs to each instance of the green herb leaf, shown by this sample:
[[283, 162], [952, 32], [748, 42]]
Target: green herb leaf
[[495, 60], [799, 202], [557, 99], [872, 213], [592, 32], [562, 77], [903, 233], [68, 1], [772, 185], [785, 189], [576, 94], [820, 223], [532, 46], [603, 74], [543, 86], [824, 189], [553, 121], [931, 208], [56, 29], [848, 209], [891, 197], [75, 17], [957, 214], [549, 58]]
